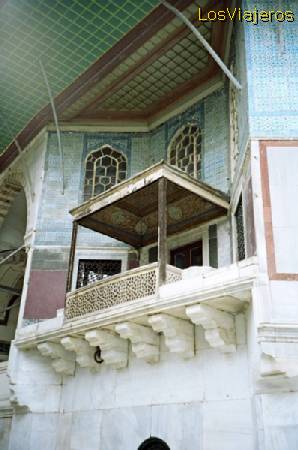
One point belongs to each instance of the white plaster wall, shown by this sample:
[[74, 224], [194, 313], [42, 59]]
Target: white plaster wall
[[283, 182], [5, 410], [4, 386], [14, 226], [284, 296], [224, 243]]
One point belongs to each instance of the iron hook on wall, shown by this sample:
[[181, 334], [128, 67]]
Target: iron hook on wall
[[97, 355]]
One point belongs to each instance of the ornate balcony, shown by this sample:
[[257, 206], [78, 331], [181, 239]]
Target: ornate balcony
[[121, 288]]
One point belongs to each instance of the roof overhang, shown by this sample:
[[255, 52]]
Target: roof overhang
[[156, 69], [129, 211]]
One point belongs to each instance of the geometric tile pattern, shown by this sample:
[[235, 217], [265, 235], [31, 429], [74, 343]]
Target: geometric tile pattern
[[132, 62], [68, 36], [174, 67]]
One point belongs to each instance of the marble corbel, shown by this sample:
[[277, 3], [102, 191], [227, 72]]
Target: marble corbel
[[84, 353], [279, 351], [145, 342], [219, 326], [179, 333], [114, 350], [63, 361]]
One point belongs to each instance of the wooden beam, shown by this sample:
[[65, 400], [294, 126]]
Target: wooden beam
[[162, 231], [112, 231], [10, 290], [187, 224], [72, 255]]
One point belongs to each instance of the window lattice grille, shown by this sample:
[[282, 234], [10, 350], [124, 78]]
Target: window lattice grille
[[104, 168], [240, 231], [91, 270], [185, 151]]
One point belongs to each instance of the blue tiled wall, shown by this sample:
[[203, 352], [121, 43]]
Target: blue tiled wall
[[272, 72], [141, 149], [240, 72]]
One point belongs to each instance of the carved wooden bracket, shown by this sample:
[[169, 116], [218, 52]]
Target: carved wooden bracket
[[145, 342], [218, 325], [114, 350], [63, 361], [84, 353], [179, 333]]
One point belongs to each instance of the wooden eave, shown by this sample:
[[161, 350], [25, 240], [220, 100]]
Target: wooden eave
[[128, 211]]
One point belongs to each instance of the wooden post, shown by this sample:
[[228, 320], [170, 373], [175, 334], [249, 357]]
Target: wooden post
[[162, 231], [71, 255]]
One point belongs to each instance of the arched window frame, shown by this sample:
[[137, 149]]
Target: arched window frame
[[120, 172], [197, 155]]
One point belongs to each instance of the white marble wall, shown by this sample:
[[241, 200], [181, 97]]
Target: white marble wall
[[278, 421], [203, 403], [213, 401], [5, 425]]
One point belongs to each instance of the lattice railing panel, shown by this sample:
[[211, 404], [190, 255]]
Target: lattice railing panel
[[122, 288]]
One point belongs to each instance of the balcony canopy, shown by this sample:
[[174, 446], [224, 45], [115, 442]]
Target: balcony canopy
[[129, 211]]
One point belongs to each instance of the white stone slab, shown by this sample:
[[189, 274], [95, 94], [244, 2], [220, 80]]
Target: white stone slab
[[85, 430], [179, 425], [227, 425], [5, 425], [125, 428], [21, 432], [225, 375], [44, 431]]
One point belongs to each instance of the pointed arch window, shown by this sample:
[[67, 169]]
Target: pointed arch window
[[105, 167], [185, 150]]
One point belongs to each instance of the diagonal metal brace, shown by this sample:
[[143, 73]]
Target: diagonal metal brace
[[51, 98], [203, 41]]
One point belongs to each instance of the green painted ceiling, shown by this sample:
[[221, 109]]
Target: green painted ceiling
[[67, 35]]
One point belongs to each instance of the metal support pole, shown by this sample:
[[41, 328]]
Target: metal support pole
[[203, 41], [162, 231], [56, 122], [72, 256]]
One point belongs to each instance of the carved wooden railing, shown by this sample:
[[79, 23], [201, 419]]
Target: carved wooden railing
[[121, 288]]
